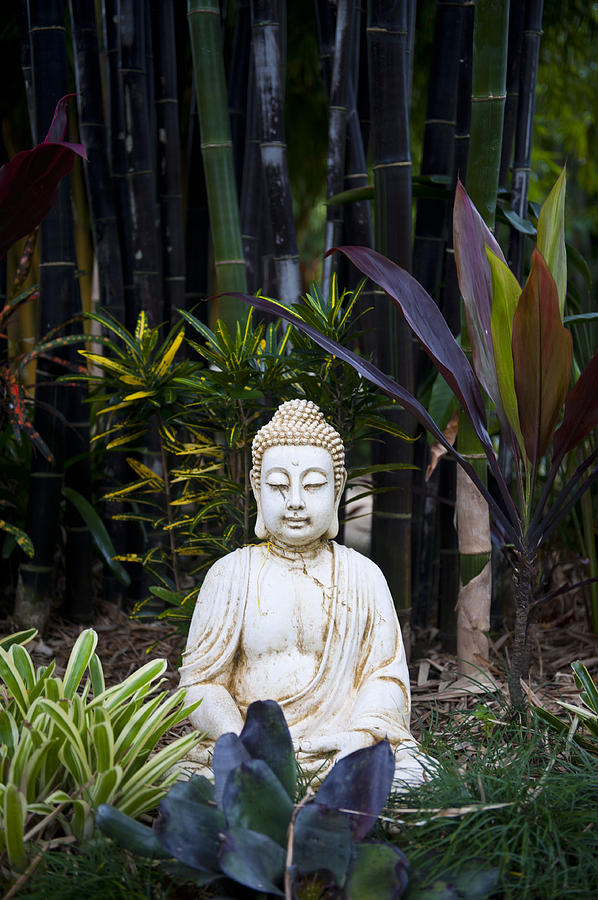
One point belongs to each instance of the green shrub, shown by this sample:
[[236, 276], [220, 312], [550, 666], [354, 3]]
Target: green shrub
[[67, 746]]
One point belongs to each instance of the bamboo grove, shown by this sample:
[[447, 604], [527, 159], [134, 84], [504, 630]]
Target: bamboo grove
[[192, 188]]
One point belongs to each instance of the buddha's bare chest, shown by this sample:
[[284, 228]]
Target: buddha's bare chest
[[287, 609]]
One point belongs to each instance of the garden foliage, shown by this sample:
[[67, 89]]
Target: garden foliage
[[522, 359], [68, 744]]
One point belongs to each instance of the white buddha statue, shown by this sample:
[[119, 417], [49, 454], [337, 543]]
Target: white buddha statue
[[298, 618]]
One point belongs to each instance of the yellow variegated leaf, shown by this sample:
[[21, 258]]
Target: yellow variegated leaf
[[104, 362], [141, 327], [138, 395], [170, 354], [132, 379], [144, 471], [126, 439]]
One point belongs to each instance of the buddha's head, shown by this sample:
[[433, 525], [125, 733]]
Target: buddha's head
[[298, 475]]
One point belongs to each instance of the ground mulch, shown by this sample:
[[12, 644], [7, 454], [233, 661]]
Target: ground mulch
[[125, 644]]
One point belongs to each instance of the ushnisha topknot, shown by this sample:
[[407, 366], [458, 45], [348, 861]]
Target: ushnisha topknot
[[297, 423]]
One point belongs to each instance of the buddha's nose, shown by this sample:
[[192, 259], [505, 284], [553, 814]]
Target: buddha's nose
[[295, 498]]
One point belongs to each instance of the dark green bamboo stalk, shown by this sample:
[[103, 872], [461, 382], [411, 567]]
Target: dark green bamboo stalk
[[473, 522], [432, 235], [197, 222], [238, 85], [251, 193], [340, 90], [267, 40], [169, 164], [525, 124], [139, 144], [516, 22], [117, 154], [388, 43], [92, 128], [216, 146], [58, 301], [326, 28]]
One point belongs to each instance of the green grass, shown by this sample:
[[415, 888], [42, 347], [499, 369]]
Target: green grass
[[544, 839]]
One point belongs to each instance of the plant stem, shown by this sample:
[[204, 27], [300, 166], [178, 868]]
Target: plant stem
[[523, 579], [167, 493]]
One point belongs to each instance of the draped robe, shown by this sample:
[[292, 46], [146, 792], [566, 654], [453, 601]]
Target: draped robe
[[361, 682]]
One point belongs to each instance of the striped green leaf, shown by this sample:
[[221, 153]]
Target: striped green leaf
[[79, 661]]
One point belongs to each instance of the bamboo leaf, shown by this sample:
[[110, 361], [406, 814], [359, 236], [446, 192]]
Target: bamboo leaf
[[551, 236], [98, 532], [505, 296], [542, 354], [581, 410]]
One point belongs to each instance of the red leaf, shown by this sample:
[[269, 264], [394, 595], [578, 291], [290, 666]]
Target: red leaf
[[542, 352], [581, 410], [29, 182]]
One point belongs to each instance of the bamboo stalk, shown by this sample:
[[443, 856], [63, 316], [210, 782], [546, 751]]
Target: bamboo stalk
[[516, 22], [139, 142], [432, 236], [388, 43], [58, 301], [197, 222], [340, 89], [525, 123], [238, 88], [169, 165], [251, 193], [473, 521], [97, 172], [266, 18], [216, 148], [117, 155]]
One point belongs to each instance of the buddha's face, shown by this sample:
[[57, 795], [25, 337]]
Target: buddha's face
[[296, 494]]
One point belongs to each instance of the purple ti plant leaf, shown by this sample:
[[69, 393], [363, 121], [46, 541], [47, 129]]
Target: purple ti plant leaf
[[30, 181], [471, 236], [542, 353], [393, 389], [581, 411]]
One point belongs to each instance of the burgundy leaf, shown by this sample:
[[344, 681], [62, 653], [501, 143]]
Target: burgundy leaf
[[30, 181], [581, 410], [427, 323], [471, 236], [542, 352]]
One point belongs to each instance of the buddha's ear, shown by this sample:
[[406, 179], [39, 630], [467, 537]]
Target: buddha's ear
[[334, 525], [260, 528]]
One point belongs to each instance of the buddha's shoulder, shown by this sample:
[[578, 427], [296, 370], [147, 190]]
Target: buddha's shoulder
[[358, 560], [231, 562]]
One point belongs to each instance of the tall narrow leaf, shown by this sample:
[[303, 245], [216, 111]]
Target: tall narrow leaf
[[551, 236], [505, 296], [471, 236], [542, 352], [581, 410]]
